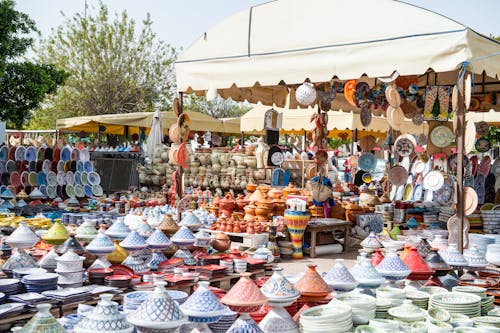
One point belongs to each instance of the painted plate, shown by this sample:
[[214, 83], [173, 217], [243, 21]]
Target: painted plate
[[398, 175], [367, 162], [417, 193], [470, 136], [442, 136], [408, 192], [470, 200], [483, 145], [433, 181]]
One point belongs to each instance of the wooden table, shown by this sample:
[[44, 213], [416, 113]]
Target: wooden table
[[327, 225]]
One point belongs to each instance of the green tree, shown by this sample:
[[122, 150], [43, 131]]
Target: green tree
[[115, 66], [217, 107], [23, 84]]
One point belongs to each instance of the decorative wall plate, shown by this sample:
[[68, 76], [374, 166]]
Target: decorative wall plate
[[398, 175], [470, 136], [470, 200], [404, 145], [433, 181], [367, 162], [483, 145], [442, 136]]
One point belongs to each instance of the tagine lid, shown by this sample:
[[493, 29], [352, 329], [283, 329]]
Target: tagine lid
[[133, 240], [339, 273], [100, 241], [70, 256], [203, 302], [416, 264], [279, 287], [244, 292], [183, 234], [311, 283], [158, 237], [43, 321]]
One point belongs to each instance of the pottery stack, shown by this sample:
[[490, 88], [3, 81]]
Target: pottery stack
[[70, 270], [363, 306], [332, 318]]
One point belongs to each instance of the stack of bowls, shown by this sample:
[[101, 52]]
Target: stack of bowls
[[381, 308], [407, 312], [97, 275], [363, 307], [70, 269], [38, 283], [10, 286], [240, 265], [394, 295], [418, 298], [327, 318], [132, 300], [228, 263], [487, 324]]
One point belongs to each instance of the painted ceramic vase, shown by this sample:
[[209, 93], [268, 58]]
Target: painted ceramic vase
[[296, 223], [312, 286], [419, 268], [339, 278], [244, 296], [57, 234], [42, 322], [203, 306], [23, 237], [105, 317], [158, 313], [377, 257]]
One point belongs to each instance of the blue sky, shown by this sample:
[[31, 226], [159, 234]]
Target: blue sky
[[180, 22]]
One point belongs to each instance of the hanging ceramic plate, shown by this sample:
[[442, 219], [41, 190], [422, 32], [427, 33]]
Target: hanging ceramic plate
[[61, 178], [88, 190], [30, 154], [483, 145], [20, 150], [79, 166], [408, 192], [442, 136], [70, 191], [32, 178], [41, 178], [468, 91], [392, 96], [470, 136], [444, 194], [43, 189], [4, 153], [454, 99], [79, 191], [70, 178], [24, 179], [367, 162], [482, 128], [398, 175], [75, 154], [405, 163], [418, 167], [65, 154], [417, 193], [433, 181], [93, 178], [470, 200], [51, 192], [97, 190], [46, 166], [51, 178], [495, 168], [400, 193], [405, 145], [40, 154], [418, 119], [422, 139], [60, 166], [10, 166], [85, 181], [88, 167], [398, 118], [78, 177]]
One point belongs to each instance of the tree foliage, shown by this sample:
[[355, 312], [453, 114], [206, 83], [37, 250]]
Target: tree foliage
[[218, 107], [23, 84], [115, 66]]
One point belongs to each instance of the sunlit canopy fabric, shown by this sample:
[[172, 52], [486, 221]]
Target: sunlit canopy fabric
[[297, 120], [250, 54], [491, 117], [115, 123]]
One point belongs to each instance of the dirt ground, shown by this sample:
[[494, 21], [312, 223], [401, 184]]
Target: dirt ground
[[324, 262]]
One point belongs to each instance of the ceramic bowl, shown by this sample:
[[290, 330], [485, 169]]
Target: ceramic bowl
[[438, 315], [435, 326]]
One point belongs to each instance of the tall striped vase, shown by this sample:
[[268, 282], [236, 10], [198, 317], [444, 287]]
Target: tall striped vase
[[296, 223]]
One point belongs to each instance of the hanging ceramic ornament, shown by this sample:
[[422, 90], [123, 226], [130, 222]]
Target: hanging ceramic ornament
[[306, 94]]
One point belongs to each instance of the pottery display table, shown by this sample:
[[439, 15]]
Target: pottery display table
[[244, 239], [327, 225]]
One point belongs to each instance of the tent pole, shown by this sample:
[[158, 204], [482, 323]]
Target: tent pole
[[180, 182], [242, 139], [460, 114], [99, 134]]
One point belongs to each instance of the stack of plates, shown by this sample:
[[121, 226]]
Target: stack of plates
[[382, 306], [224, 322], [363, 307], [327, 318], [18, 273], [431, 218], [132, 300], [487, 323], [475, 221], [455, 302], [394, 295], [418, 298], [10, 286], [431, 290], [30, 299], [11, 309], [37, 283], [478, 291], [491, 221], [487, 305]]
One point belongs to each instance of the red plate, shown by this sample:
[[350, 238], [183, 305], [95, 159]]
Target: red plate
[[253, 261], [122, 270], [117, 277], [171, 262], [100, 271]]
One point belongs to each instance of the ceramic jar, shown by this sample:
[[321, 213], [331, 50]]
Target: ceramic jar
[[105, 317], [311, 285], [221, 242], [22, 237], [70, 262], [42, 322], [203, 306], [227, 205]]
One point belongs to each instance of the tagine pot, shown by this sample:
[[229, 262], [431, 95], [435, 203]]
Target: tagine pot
[[42, 322], [244, 296], [377, 257], [419, 268], [57, 234], [105, 318], [311, 285]]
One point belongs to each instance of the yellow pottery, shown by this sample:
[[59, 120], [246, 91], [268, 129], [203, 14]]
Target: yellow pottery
[[118, 255], [57, 234]]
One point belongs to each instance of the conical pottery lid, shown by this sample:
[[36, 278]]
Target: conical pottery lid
[[435, 261], [244, 324], [363, 270], [158, 238], [101, 242], [371, 242], [339, 273], [86, 230], [36, 194], [144, 229], [7, 194], [56, 234], [23, 234], [158, 311], [105, 317], [71, 243], [452, 256], [203, 303], [49, 259], [118, 230], [392, 263], [416, 264], [183, 234], [22, 195], [70, 256], [168, 223], [424, 247], [377, 257], [278, 317], [43, 321], [244, 292], [312, 284], [133, 240], [190, 219], [278, 287]]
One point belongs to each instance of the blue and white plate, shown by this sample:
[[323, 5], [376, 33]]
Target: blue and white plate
[[4, 153], [367, 162], [93, 178], [66, 154], [30, 154], [88, 167], [20, 153]]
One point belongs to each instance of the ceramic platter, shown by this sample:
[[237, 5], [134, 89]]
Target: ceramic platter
[[470, 136], [442, 136], [433, 181], [470, 200], [404, 146], [408, 192], [398, 175], [367, 162]]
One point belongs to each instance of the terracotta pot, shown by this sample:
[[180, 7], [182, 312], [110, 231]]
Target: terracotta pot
[[262, 211], [275, 193], [251, 187], [221, 242], [268, 204], [263, 218], [290, 189], [229, 227], [249, 209], [311, 285]]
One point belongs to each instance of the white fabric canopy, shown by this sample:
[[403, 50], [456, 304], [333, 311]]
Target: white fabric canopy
[[297, 120], [291, 40]]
